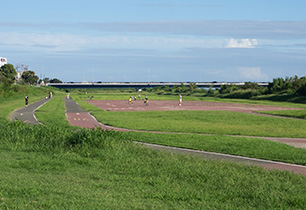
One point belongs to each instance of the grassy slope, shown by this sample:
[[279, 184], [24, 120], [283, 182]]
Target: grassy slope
[[16, 99], [98, 170], [54, 168]]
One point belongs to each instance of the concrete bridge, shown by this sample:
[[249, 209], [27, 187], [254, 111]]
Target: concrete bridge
[[141, 85]]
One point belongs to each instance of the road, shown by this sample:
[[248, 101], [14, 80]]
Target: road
[[26, 114]]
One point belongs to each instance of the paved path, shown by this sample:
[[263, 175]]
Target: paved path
[[78, 117], [26, 114]]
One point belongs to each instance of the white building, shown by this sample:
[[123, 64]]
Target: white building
[[18, 75], [3, 61]]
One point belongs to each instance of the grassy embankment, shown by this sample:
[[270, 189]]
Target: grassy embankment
[[57, 168], [52, 168], [16, 99]]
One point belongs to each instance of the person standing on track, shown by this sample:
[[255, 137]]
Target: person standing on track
[[181, 100], [26, 100], [146, 102], [130, 100]]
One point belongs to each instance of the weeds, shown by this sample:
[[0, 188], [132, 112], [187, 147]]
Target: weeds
[[22, 137]]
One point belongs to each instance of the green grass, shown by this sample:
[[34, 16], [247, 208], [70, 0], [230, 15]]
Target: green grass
[[53, 112], [242, 146], [221, 123], [95, 169], [16, 99], [288, 113], [209, 122], [50, 167]]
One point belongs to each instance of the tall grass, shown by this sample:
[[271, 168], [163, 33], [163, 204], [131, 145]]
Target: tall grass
[[17, 135], [54, 168]]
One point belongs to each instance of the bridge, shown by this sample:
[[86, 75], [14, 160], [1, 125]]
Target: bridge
[[142, 85]]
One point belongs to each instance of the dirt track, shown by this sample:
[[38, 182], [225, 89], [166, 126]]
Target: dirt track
[[115, 105]]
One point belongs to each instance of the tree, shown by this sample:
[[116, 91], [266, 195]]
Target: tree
[[45, 80], [29, 77], [7, 74], [250, 85], [7, 78], [192, 87], [55, 80]]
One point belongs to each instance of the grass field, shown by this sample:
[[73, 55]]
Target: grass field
[[241, 146], [288, 113], [209, 122], [53, 112], [215, 122], [56, 167]]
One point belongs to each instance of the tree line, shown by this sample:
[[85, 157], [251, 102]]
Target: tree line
[[289, 85], [8, 77]]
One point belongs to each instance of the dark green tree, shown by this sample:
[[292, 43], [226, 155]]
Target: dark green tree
[[193, 87], [7, 78], [46, 80], [55, 80], [249, 85], [7, 74], [29, 77]]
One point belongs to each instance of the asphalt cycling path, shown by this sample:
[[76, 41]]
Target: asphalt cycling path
[[27, 113], [80, 118]]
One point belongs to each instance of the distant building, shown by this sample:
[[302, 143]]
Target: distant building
[[3, 61], [18, 75]]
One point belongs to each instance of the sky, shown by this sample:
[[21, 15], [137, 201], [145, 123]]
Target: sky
[[156, 40]]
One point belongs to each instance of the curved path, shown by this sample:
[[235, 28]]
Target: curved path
[[26, 114], [80, 118]]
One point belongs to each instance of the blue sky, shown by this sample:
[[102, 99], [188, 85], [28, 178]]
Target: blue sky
[[156, 40]]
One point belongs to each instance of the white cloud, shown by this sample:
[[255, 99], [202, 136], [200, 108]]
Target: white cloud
[[36, 41], [74, 42], [241, 43], [252, 74]]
